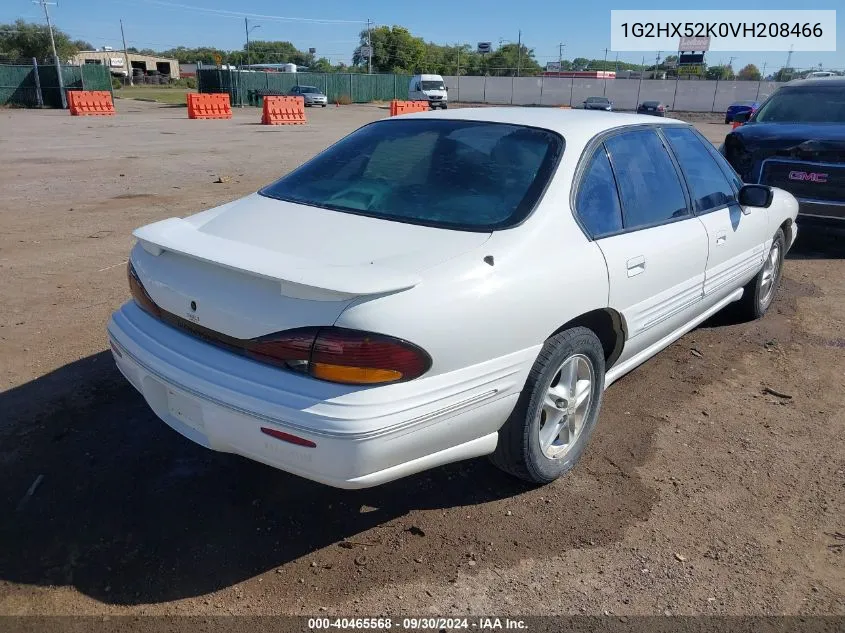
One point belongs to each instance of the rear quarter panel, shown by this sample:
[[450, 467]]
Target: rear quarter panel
[[545, 272]]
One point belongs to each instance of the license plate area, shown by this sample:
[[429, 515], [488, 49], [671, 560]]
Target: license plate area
[[185, 409]]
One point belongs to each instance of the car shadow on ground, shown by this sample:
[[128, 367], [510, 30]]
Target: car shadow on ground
[[818, 242], [98, 494]]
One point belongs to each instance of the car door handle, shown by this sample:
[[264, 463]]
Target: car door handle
[[721, 237], [636, 265]]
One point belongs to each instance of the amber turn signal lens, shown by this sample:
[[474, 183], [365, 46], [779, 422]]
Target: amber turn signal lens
[[354, 375]]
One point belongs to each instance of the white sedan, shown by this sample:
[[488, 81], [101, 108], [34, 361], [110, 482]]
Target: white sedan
[[440, 286]]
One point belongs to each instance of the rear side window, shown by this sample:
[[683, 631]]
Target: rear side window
[[649, 188], [709, 188], [597, 203], [724, 165], [467, 175]]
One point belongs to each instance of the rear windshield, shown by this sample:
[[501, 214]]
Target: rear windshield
[[465, 175], [813, 104]]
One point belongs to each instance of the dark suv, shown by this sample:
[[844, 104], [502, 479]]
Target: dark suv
[[796, 141]]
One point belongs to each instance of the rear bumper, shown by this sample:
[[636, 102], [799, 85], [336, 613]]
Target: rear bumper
[[362, 437]]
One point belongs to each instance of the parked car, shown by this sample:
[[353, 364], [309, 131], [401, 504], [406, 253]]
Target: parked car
[[654, 108], [740, 106], [429, 88], [598, 103], [796, 141], [313, 96], [392, 304]]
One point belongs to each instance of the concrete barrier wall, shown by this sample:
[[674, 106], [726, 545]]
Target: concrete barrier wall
[[689, 96]]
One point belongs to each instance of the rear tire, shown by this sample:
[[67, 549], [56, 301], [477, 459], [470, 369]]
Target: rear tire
[[759, 293], [563, 391]]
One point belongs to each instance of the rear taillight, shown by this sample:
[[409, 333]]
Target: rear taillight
[[333, 354], [139, 293], [341, 355], [660, 108]]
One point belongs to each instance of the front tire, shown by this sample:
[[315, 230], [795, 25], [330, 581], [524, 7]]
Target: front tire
[[551, 425], [759, 293]]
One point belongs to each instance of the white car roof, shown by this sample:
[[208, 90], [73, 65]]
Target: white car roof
[[577, 127]]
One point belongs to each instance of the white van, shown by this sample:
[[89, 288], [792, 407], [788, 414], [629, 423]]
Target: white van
[[428, 88]]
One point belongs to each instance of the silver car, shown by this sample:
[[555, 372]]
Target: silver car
[[312, 95]]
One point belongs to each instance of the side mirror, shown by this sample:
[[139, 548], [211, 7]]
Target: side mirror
[[446, 88], [756, 196], [741, 117]]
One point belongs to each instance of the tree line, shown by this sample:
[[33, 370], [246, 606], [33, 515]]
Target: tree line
[[394, 50]]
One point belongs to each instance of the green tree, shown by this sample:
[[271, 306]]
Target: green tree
[[23, 40], [503, 62], [749, 72], [719, 72], [784, 74], [184, 55], [321, 65], [274, 52], [82, 45], [580, 63], [395, 50]]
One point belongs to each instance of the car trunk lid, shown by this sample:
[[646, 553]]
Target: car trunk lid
[[260, 265]]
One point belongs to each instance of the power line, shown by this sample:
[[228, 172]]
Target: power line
[[242, 14]]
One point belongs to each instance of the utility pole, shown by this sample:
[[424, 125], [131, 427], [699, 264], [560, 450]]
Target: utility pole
[[44, 4], [560, 48], [126, 56], [760, 83], [370, 49], [656, 64], [730, 64], [249, 29], [519, 53], [604, 71]]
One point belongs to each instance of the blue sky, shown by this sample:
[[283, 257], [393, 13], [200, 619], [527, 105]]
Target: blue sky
[[331, 26]]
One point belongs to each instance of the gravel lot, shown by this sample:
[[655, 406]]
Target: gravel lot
[[701, 492]]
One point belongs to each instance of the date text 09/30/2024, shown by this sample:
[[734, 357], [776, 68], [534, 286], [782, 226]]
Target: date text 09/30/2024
[[417, 624]]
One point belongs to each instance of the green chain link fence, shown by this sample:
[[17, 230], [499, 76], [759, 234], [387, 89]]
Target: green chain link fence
[[32, 85], [247, 87]]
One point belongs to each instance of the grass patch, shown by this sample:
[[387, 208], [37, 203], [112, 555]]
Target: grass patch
[[161, 94]]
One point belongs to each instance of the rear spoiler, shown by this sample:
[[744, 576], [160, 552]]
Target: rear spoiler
[[298, 276]]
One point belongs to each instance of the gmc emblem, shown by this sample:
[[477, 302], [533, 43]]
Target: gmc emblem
[[808, 176]]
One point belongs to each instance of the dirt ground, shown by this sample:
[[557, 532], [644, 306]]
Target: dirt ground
[[700, 494]]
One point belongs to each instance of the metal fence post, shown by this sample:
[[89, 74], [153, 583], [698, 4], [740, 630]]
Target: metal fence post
[[39, 97], [351, 100], [542, 83], [715, 92], [82, 76], [571, 89], [512, 89]]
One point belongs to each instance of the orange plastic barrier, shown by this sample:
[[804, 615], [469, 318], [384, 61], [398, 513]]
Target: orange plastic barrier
[[283, 111], [405, 107], [735, 124], [90, 103], [209, 106], [565, 107]]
